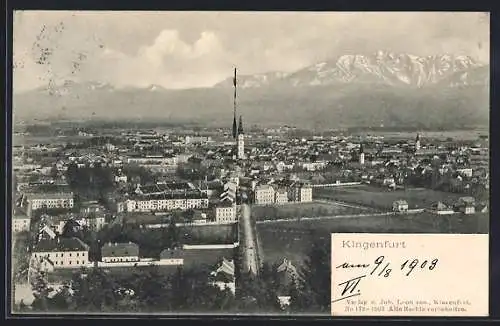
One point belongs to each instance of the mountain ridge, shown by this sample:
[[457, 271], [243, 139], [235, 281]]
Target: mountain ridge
[[357, 91]]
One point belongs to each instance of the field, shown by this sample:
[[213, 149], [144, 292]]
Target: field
[[383, 199], [293, 239], [198, 257], [210, 234], [291, 211]]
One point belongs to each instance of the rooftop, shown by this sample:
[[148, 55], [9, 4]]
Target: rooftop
[[129, 249], [61, 244]]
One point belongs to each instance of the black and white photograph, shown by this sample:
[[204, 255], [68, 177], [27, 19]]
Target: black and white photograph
[[197, 162]]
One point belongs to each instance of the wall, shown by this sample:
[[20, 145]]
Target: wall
[[211, 246]]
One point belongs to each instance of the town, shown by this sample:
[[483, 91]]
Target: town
[[123, 199]]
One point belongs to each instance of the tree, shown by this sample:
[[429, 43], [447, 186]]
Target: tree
[[41, 291], [313, 293]]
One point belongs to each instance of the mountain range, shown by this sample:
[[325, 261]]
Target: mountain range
[[383, 88]]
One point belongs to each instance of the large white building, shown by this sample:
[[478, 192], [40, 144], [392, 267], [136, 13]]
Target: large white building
[[168, 202], [264, 195], [281, 196], [50, 200], [300, 193], [225, 213], [62, 252]]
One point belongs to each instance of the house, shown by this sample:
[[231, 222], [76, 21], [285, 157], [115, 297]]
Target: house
[[96, 221], [120, 252], [171, 257], [281, 196], [199, 217], [288, 278], [20, 223], [400, 206], [223, 276], [62, 252], [466, 205], [440, 209], [225, 213], [300, 193], [91, 207], [49, 200], [264, 195]]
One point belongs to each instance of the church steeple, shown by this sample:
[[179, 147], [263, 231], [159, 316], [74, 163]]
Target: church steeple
[[240, 126]]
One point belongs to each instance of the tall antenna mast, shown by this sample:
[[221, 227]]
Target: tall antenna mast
[[235, 131]]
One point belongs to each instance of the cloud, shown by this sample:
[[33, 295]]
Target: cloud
[[195, 49]]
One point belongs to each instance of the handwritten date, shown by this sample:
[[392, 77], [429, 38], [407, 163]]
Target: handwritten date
[[382, 268]]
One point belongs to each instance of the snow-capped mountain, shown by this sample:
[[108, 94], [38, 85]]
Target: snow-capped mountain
[[395, 69], [445, 91]]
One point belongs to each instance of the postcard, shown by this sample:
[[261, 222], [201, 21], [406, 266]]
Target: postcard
[[198, 162]]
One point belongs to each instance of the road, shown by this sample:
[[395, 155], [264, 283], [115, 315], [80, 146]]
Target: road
[[248, 242]]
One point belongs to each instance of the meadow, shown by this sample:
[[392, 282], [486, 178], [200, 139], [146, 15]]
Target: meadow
[[293, 239], [298, 210], [381, 198]]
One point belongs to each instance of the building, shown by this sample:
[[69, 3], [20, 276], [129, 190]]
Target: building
[[440, 208], [400, 206], [264, 195], [287, 278], [62, 252], [160, 163], [223, 276], [281, 196], [361, 155], [20, 223], [96, 221], [300, 193], [120, 252], [241, 140], [49, 200], [466, 205], [168, 201], [417, 142], [225, 213]]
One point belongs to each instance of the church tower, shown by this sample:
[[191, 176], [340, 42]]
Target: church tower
[[241, 140], [361, 154], [417, 142]]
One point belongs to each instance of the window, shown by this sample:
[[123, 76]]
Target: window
[[70, 254], [62, 254], [77, 262], [70, 262], [77, 254]]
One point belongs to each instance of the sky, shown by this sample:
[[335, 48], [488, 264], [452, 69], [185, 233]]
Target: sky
[[198, 49]]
